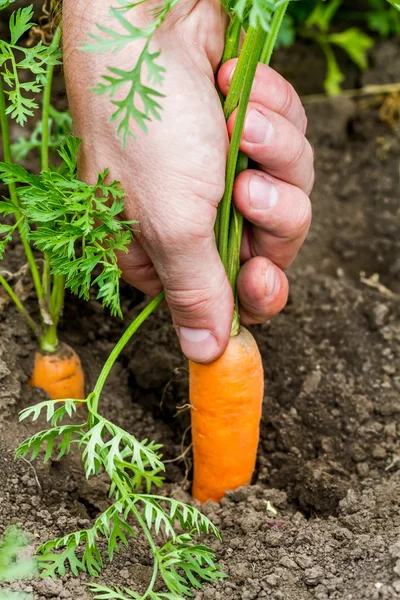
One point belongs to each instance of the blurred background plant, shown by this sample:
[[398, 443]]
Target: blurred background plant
[[346, 25], [13, 564]]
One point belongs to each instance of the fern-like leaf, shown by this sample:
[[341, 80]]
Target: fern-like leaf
[[34, 444], [139, 103], [53, 414], [184, 565]]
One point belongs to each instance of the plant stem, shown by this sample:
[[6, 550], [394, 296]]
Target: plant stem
[[46, 105], [257, 47], [153, 580], [234, 244], [18, 304], [250, 55], [116, 351], [231, 50], [253, 35], [232, 40], [152, 546], [273, 34], [53, 288], [14, 197]]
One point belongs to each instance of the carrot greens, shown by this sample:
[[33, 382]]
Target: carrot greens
[[134, 468], [13, 566], [26, 72], [78, 228]]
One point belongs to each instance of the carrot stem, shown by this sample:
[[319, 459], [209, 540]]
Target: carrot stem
[[231, 50], [249, 58], [14, 197], [276, 24], [53, 287], [46, 105], [232, 40], [133, 327], [257, 47]]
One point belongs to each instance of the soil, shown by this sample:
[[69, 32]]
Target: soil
[[322, 517]]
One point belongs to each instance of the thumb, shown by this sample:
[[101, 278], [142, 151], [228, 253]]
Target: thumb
[[199, 297]]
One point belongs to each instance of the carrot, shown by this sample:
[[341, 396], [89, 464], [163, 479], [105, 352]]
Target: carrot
[[59, 374], [226, 398]]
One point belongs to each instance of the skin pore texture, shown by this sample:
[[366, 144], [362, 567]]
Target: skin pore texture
[[174, 175]]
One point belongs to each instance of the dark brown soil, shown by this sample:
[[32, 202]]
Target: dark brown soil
[[329, 453]]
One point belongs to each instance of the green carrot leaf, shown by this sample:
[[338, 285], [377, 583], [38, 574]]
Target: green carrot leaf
[[78, 225], [16, 61], [60, 126], [47, 438], [257, 12], [52, 564], [53, 414], [20, 22], [184, 565], [12, 567], [139, 102], [6, 231], [102, 592], [5, 3], [355, 43]]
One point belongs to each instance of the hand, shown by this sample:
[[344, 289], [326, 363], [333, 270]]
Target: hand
[[174, 175]]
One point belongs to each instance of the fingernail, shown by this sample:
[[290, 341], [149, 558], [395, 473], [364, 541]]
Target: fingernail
[[231, 74], [273, 282], [258, 129], [262, 193], [198, 344]]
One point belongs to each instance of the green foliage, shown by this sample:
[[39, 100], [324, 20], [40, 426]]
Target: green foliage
[[111, 525], [315, 19], [130, 465], [322, 15], [139, 102], [287, 33], [256, 12], [384, 19], [12, 567], [138, 99], [53, 414], [353, 41], [78, 225], [185, 565], [60, 126], [7, 232], [5, 3], [15, 58], [46, 438]]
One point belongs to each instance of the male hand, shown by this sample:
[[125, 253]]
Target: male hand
[[174, 176]]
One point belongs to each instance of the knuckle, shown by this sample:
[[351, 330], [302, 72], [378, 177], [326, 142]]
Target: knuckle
[[288, 94], [305, 121], [185, 229], [190, 303], [304, 216], [296, 152], [281, 303], [292, 107]]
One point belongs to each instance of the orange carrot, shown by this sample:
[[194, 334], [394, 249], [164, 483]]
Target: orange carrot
[[59, 374], [226, 398]]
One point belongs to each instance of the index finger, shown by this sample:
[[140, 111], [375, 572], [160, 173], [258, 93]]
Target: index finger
[[271, 90]]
